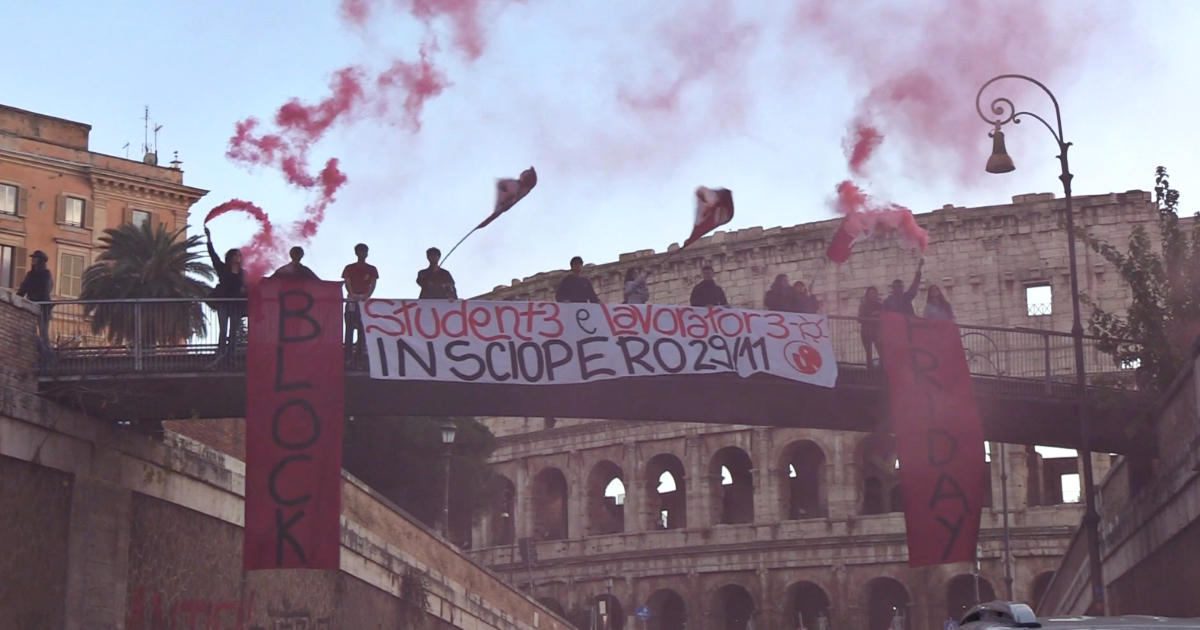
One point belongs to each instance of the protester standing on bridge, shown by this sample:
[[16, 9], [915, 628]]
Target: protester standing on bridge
[[636, 291], [295, 269], [574, 287], [360, 279], [805, 301], [868, 314], [901, 301], [436, 283], [708, 292], [781, 296], [37, 287], [936, 305], [231, 284]]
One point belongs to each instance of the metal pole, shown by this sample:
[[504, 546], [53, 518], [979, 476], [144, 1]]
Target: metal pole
[[446, 499], [137, 336], [1008, 578], [1091, 518], [1049, 369]]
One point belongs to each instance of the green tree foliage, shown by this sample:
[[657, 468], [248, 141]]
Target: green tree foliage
[[1164, 278], [143, 262], [402, 459]]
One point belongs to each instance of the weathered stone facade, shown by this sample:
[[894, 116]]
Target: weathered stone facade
[[766, 523]]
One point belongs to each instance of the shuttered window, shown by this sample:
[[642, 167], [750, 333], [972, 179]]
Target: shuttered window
[[8, 199], [70, 275]]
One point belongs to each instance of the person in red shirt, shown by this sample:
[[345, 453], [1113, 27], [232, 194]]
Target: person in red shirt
[[360, 279]]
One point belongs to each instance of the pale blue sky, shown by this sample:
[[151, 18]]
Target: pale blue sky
[[766, 123]]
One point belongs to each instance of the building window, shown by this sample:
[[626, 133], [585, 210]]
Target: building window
[[74, 212], [1038, 300], [70, 275], [8, 267], [139, 218], [8, 199]]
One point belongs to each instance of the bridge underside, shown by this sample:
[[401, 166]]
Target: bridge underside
[[1015, 411]]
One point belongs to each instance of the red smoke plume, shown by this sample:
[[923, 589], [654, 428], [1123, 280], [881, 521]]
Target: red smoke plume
[[353, 96], [465, 17], [924, 63]]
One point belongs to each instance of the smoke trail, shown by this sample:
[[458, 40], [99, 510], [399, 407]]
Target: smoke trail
[[465, 16]]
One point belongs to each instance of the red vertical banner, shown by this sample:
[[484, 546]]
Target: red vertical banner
[[939, 437], [295, 405]]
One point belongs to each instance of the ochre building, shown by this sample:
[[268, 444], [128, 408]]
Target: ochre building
[[58, 196], [751, 528]]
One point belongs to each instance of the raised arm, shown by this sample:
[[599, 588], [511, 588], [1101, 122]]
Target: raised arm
[[916, 283], [217, 263]]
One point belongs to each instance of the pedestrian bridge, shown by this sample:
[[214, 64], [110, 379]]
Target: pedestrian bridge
[[1024, 381]]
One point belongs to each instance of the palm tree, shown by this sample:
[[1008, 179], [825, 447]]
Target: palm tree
[[145, 262]]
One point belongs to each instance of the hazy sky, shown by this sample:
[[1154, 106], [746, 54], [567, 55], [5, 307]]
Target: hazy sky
[[766, 91]]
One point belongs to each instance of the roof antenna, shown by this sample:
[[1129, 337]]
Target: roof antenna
[[149, 156], [126, 147]]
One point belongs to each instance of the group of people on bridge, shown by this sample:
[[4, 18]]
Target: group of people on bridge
[[227, 298]]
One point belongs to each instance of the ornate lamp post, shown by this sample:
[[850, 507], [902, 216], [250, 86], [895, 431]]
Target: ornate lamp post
[[448, 431], [1004, 112]]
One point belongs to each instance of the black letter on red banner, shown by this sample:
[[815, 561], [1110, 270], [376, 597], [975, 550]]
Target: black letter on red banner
[[939, 437], [295, 391]]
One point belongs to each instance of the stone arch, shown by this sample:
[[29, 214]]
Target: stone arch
[[666, 492], [553, 606], [805, 603], [804, 490], [733, 489], [879, 481], [550, 493], [732, 608], [1037, 589], [607, 613], [502, 522], [668, 610], [887, 598], [960, 595], [606, 499]]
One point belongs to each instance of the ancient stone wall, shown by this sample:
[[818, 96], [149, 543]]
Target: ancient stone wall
[[786, 543]]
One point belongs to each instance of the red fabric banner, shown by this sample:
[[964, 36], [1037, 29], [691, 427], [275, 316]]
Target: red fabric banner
[[295, 405], [939, 437]]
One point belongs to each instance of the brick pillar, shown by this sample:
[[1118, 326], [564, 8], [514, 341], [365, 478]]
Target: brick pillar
[[523, 505], [577, 506], [635, 490], [19, 338], [766, 501]]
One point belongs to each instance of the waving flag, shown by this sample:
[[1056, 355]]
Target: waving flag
[[863, 219], [509, 192], [714, 208]]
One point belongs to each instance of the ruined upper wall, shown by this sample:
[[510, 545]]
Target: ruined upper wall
[[983, 258]]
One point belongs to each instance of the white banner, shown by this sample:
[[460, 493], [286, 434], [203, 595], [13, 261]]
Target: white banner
[[545, 343]]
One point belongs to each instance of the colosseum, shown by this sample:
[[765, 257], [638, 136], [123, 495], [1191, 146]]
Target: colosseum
[[730, 527]]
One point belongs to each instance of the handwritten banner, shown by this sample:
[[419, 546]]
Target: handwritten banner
[[295, 403], [939, 437], [546, 343]]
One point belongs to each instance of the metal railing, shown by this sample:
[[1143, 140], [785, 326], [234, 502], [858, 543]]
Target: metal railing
[[176, 335]]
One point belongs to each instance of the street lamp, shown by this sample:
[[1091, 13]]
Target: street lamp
[[448, 431], [1005, 112]]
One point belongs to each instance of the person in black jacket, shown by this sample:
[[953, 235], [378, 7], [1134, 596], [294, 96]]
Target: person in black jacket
[[781, 296], [37, 287], [231, 284], [436, 283], [805, 301], [576, 288], [295, 268], [708, 292]]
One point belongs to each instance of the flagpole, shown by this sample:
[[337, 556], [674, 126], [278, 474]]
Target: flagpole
[[460, 242]]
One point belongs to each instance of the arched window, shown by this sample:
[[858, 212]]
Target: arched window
[[606, 499], [880, 474], [734, 492], [804, 488], [806, 604], [960, 595], [733, 608], [607, 613], [550, 505], [887, 604], [665, 492], [668, 611], [503, 517]]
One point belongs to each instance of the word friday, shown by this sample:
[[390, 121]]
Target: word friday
[[530, 343]]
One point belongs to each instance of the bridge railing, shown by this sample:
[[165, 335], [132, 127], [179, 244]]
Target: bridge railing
[[174, 335]]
